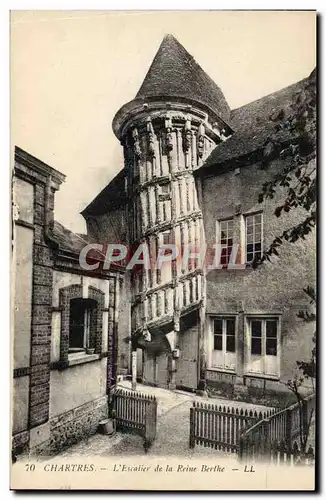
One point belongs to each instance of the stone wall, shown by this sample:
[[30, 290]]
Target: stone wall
[[78, 423], [55, 403], [124, 353], [273, 287], [34, 186], [20, 442], [78, 384], [23, 294]]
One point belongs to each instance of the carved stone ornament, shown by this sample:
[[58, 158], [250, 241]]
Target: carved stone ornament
[[150, 138], [176, 321], [169, 136], [187, 137], [146, 335], [201, 140], [136, 144]]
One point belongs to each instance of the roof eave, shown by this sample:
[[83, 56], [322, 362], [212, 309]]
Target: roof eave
[[24, 158]]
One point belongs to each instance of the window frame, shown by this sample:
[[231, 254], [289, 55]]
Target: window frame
[[165, 272], [65, 295], [218, 237], [88, 306], [169, 233], [164, 191], [245, 218], [224, 317], [248, 345]]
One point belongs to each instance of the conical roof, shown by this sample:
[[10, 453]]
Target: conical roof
[[175, 73]]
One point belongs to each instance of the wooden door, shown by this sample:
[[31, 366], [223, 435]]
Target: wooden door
[[162, 370], [149, 372], [186, 375]]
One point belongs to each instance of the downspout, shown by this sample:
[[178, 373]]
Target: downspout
[[48, 221]]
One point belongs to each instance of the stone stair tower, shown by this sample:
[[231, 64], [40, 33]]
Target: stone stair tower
[[177, 118]]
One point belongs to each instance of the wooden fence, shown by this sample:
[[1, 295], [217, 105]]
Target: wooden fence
[[278, 437], [136, 413], [220, 427]]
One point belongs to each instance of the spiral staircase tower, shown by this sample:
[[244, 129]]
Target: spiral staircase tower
[[177, 118]]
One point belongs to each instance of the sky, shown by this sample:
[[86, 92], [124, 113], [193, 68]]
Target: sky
[[72, 70]]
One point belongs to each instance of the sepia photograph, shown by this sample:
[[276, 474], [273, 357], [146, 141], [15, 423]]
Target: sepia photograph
[[163, 250]]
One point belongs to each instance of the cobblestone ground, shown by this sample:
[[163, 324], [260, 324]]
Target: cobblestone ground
[[172, 428], [172, 436]]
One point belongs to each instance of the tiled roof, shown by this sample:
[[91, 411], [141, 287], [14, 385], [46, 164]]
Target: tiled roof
[[112, 196], [175, 73], [67, 240], [73, 243], [252, 124]]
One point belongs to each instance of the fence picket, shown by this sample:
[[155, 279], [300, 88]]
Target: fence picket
[[226, 428], [201, 421], [209, 428], [205, 426], [278, 430], [227, 418], [232, 422], [196, 425], [136, 412]]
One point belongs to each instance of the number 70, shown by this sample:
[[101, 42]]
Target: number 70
[[30, 467]]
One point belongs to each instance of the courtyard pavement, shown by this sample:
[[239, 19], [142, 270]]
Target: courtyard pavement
[[172, 436]]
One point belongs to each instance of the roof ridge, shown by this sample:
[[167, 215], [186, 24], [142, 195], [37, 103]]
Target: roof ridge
[[252, 125], [270, 94], [116, 197], [59, 225]]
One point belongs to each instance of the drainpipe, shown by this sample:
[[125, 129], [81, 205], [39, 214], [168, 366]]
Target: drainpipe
[[48, 221]]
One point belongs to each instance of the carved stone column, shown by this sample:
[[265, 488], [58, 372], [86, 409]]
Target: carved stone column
[[202, 347], [159, 215], [173, 339]]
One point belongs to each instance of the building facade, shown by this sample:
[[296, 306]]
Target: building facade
[[65, 321], [192, 176]]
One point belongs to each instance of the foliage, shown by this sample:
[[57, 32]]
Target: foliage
[[294, 385], [293, 139], [307, 370]]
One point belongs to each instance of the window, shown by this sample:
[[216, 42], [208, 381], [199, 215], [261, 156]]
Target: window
[[271, 337], [167, 240], [256, 334], [82, 324], [165, 188], [166, 268], [166, 237], [225, 238], [263, 348], [164, 192], [224, 348], [254, 236], [81, 320], [164, 196]]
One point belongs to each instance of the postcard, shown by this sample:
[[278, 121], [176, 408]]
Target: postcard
[[163, 270]]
